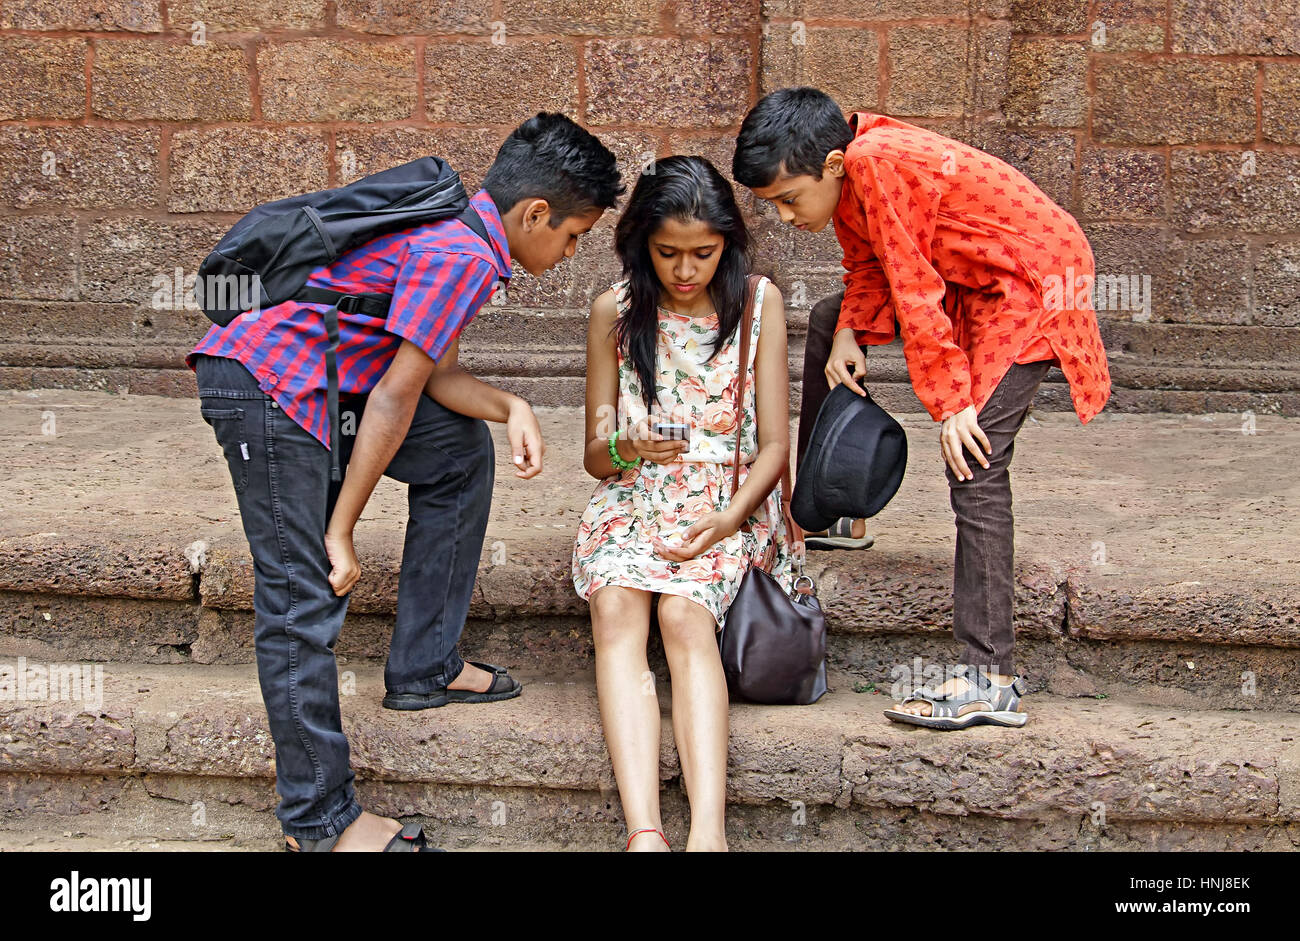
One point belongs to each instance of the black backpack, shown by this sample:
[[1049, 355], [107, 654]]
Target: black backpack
[[267, 256]]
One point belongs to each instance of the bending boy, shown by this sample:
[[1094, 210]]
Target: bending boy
[[419, 419], [988, 282]]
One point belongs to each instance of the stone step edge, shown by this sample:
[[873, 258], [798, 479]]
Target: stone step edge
[[1081, 757]]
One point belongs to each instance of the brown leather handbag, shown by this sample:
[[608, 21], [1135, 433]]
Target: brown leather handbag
[[773, 644]]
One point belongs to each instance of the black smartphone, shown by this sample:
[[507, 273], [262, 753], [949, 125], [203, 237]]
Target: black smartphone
[[673, 431]]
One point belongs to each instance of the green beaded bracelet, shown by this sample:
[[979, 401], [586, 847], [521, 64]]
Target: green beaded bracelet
[[618, 461]]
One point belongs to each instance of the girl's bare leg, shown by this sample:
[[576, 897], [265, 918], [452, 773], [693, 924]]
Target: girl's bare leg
[[629, 708], [699, 715]]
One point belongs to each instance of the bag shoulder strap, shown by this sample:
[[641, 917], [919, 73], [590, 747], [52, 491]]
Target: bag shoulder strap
[[746, 328]]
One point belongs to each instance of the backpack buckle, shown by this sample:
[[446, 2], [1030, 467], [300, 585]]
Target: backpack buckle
[[348, 303]]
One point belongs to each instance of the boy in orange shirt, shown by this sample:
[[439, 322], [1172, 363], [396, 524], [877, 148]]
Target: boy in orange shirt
[[988, 282]]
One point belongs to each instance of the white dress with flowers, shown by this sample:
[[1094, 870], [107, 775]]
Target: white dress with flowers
[[628, 510]]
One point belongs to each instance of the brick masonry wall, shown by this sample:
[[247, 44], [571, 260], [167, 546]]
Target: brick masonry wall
[[133, 133]]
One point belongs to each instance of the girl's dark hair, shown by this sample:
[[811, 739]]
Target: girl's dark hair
[[686, 189], [551, 157], [791, 129]]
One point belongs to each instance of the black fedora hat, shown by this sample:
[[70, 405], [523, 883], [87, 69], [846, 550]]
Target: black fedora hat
[[854, 463]]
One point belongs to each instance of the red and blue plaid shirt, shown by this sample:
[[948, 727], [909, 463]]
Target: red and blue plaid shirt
[[439, 274]]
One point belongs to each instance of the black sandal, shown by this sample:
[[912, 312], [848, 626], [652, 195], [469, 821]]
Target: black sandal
[[410, 839], [504, 686]]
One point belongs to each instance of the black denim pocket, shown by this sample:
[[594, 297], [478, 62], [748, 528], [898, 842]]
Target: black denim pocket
[[229, 425]]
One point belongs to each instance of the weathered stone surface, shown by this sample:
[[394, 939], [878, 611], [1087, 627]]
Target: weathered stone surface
[[1127, 26], [989, 74], [38, 257], [105, 15], [64, 737], [561, 17], [42, 78], [1046, 83], [710, 17], [1281, 103], [412, 17], [1049, 16], [1046, 157], [135, 259], [79, 167], [1277, 287], [841, 62], [1142, 611], [142, 79], [1244, 192], [254, 16], [871, 10], [470, 152], [234, 169], [924, 62], [1170, 101], [1213, 283], [683, 83], [1123, 184], [331, 80], [51, 562], [1142, 763], [478, 82], [1207, 27], [1127, 250]]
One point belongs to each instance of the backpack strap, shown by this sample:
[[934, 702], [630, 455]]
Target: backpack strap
[[374, 305]]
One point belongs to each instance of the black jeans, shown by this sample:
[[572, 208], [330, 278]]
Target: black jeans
[[281, 475], [983, 591]]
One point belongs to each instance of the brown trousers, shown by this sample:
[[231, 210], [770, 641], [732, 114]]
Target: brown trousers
[[983, 587]]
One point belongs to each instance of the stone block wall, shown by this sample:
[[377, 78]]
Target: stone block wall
[[134, 132]]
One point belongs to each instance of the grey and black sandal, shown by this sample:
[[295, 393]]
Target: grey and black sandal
[[504, 686], [995, 704], [410, 839], [839, 536]]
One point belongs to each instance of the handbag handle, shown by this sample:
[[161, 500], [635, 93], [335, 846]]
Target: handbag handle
[[746, 327]]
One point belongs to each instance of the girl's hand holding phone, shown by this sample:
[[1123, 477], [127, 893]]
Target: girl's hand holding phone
[[654, 447]]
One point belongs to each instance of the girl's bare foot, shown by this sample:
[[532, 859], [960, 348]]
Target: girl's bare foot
[[648, 841]]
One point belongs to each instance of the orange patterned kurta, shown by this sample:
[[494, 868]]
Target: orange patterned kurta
[[979, 267]]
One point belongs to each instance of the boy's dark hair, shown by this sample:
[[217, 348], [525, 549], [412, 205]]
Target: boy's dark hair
[[686, 189], [792, 129], [552, 158]]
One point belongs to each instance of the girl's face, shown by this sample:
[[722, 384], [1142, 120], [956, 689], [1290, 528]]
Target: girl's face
[[685, 256]]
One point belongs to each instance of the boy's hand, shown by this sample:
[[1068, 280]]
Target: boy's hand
[[962, 431], [845, 352], [344, 567], [526, 446]]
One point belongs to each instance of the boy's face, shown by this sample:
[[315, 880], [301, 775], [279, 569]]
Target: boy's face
[[804, 201], [537, 246]]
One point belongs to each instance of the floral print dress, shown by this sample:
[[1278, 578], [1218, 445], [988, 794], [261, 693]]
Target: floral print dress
[[629, 509]]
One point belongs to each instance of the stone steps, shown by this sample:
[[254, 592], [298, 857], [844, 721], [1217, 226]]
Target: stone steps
[[1083, 774], [107, 554]]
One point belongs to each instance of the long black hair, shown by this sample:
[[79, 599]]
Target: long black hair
[[686, 189]]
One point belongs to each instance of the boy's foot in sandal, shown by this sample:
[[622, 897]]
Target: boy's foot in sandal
[[969, 697], [368, 833], [478, 682], [845, 534]]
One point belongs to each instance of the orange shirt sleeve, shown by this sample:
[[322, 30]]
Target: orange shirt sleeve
[[902, 210], [867, 308]]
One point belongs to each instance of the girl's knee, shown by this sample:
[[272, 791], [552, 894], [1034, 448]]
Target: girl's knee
[[683, 623]]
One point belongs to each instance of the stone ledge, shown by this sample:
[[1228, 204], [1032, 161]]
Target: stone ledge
[[1140, 763]]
